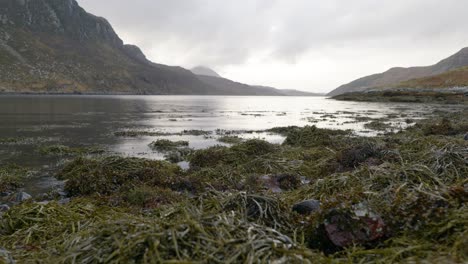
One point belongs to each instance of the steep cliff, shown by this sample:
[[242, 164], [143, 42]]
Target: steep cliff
[[56, 46]]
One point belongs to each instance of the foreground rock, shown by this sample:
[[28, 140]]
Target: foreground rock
[[343, 228], [307, 207], [22, 196]]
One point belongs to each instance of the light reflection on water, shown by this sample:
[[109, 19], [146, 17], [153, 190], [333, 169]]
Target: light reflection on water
[[92, 120]]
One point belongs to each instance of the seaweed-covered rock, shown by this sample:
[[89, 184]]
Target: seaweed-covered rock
[[111, 175], [279, 182], [306, 207]]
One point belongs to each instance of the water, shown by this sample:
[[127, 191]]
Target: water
[[93, 120]]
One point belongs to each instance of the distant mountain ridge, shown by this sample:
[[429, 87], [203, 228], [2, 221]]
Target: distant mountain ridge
[[212, 78], [202, 70], [395, 76]]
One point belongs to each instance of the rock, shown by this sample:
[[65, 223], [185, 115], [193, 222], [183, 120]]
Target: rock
[[280, 182], [64, 201], [22, 196], [5, 257], [347, 227], [358, 226], [4, 207], [307, 207], [466, 136]]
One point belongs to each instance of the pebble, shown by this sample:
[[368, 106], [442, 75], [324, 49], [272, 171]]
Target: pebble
[[307, 207]]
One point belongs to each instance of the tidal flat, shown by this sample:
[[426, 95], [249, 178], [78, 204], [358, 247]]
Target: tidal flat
[[321, 195]]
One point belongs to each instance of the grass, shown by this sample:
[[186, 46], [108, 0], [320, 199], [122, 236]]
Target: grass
[[127, 210]]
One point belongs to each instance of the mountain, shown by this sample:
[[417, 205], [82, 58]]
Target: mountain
[[226, 86], [395, 76], [56, 46], [451, 79], [202, 70]]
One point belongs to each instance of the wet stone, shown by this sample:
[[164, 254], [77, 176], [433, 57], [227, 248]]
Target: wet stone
[[4, 208], [22, 196], [307, 207], [64, 201]]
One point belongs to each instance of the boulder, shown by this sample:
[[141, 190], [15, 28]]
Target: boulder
[[466, 136], [307, 207]]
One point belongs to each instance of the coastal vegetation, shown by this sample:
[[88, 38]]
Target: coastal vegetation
[[322, 196]]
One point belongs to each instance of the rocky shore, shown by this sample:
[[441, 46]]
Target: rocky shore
[[323, 196]]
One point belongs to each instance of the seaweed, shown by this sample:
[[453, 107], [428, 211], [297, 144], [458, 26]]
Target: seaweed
[[230, 139], [12, 177], [224, 210], [165, 145]]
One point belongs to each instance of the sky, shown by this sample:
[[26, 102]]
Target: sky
[[308, 45]]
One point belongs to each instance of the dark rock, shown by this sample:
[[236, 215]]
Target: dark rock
[[22, 196], [307, 207], [358, 226], [280, 182], [4, 208], [64, 201], [466, 136], [346, 227]]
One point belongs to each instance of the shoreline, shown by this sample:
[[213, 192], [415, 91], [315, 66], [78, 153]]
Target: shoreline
[[289, 196]]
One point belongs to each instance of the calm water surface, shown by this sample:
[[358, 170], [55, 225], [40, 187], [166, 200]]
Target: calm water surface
[[93, 120]]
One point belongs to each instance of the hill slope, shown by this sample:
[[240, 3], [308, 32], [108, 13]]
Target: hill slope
[[398, 75], [450, 79], [56, 46]]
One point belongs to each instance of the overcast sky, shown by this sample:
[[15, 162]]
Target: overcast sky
[[291, 44]]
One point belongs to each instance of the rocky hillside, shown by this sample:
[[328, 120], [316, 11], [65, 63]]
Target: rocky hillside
[[395, 76], [56, 46], [450, 79]]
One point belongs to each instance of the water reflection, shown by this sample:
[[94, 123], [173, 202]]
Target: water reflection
[[93, 120]]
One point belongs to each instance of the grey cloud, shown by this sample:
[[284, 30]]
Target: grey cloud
[[222, 33]]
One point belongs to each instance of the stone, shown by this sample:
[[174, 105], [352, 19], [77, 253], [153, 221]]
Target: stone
[[22, 196], [359, 226], [5, 257], [307, 207], [64, 201], [466, 136], [4, 207]]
